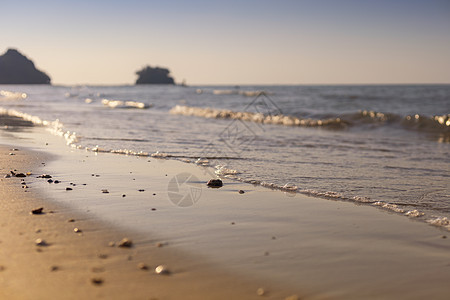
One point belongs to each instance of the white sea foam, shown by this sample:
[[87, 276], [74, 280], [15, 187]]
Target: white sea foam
[[254, 117], [440, 222], [414, 213], [8, 95], [124, 104]]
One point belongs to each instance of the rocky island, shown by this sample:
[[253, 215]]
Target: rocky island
[[16, 68], [157, 75]]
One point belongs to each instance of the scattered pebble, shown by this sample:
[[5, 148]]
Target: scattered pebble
[[141, 190], [214, 183], [44, 176], [162, 270], [153, 209], [97, 281], [274, 238], [11, 153], [444, 236], [125, 243], [71, 220], [37, 211], [77, 230], [56, 181], [7, 176], [37, 230], [68, 189], [50, 181], [105, 191], [124, 195], [260, 292], [161, 244], [54, 268], [20, 175], [154, 194], [241, 192], [142, 266], [232, 223], [40, 242]]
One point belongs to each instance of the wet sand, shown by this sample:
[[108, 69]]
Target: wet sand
[[226, 246]]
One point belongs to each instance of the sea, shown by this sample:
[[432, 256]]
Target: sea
[[382, 145]]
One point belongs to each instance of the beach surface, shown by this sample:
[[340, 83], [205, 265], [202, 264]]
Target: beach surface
[[260, 244]]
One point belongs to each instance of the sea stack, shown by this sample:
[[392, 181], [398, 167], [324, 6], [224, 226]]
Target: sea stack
[[16, 68], [157, 75]]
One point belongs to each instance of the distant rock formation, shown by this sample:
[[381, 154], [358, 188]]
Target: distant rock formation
[[149, 75], [16, 68]]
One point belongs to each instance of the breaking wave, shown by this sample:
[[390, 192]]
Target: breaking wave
[[123, 104], [439, 123]]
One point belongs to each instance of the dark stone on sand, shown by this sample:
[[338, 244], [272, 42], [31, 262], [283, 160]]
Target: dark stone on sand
[[97, 281], [37, 211], [16, 68], [215, 183], [241, 192], [68, 189], [20, 175], [141, 190], [44, 176], [7, 176], [157, 75], [50, 181], [56, 181], [41, 243]]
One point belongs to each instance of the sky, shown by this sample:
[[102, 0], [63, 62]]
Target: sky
[[233, 42]]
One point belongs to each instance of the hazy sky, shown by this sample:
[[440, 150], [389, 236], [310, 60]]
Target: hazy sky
[[233, 42]]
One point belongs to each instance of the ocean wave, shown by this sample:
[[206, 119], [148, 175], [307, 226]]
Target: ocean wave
[[211, 113], [8, 95], [438, 123], [125, 104]]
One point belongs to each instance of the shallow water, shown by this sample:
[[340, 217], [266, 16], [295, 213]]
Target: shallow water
[[384, 145]]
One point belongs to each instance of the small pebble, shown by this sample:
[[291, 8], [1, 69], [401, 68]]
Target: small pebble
[[71, 220], [125, 243], [21, 175], [7, 176], [37, 230], [77, 230], [124, 195], [97, 281], [37, 211], [56, 181], [162, 270], [68, 189], [54, 268], [142, 266], [40, 242], [141, 190], [44, 176], [153, 209], [241, 192], [444, 236], [105, 191], [11, 154], [50, 180], [260, 292]]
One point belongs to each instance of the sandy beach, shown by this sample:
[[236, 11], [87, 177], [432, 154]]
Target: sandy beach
[[260, 244]]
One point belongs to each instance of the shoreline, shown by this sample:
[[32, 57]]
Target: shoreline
[[227, 245]]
